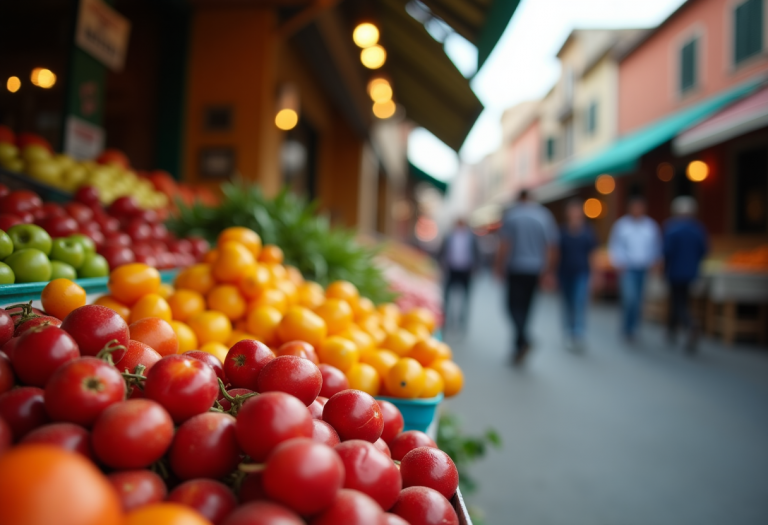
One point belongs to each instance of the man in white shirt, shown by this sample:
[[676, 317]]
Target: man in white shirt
[[634, 247], [459, 256]]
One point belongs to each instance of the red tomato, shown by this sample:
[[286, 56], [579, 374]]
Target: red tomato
[[316, 408], [350, 508], [287, 479], [324, 433], [293, 375], [393, 421], [136, 354], [80, 390], [183, 385], [210, 360], [79, 211], [156, 333], [244, 362], [23, 409], [408, 441], [44, 350], [205, 447], [392, 519], [63, 435], [299, 349], [7, 378], [212, 499], [132, 434], [10, 347], [252, 489], [369, 471], [43, 320], [424, 506], [430, 467], [8, 219], [226, 405], [354, 415], [137, 488], [87, 195], [20, 202], [334, 380], [93, 326], [6, 326], [382, 447], [263, 513], [6, 438], [267, 420]]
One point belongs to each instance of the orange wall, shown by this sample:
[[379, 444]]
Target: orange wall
[[649, 76]]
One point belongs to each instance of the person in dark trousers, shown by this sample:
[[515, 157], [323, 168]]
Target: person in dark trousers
[[577, 243], [685, 245], [527, 250], [459, 255]]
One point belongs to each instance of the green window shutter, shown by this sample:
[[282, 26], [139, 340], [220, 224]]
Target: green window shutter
[[550, 149], [688, 66], [592, 118], [748, 30]]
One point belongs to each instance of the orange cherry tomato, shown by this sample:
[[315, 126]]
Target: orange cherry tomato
[[452, 376], [299, 349], [165, 290], [113, 304], [262, 322], [151, 305], [444, 351], [405, 379], [417, 329], [245, 236], [270, 297], [271, 254], [339, 352], [238, 336], [211, 256], [156, 333], [226, 298], [165, 514], [433, 384], [365, 308], [43, 484], [390, 310], [400, 342], [310, 295], [185, 335], [364, 377], [388, 324], [344, 290], [337, 315], [290, 290], [301, 324], [185, 303], [277, 271], [210, 326], [233, 263], [426, 351], [381, 360], [372, 326], [294, 275], [61, 296], [197, 277], [420, 315], [215, 348], [130, 282], [360, 337], [255, 281]]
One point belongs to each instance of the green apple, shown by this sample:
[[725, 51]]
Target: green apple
[[29, 265], [86, 242], [8, 151], [45, 170], [6, 274], [6, 244], [61, 270], [30, 236], [35, 152], [68, 250], [94, 266]]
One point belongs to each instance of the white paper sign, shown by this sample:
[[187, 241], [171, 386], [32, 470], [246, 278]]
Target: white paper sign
[[103, 33], [83, 140]]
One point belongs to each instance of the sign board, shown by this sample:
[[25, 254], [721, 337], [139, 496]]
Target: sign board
[[103, 33], [83, 140]]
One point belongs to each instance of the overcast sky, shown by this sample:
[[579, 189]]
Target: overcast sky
[[523, 66]]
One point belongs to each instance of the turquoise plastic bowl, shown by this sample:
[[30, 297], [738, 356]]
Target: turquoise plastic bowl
[[418, 414]]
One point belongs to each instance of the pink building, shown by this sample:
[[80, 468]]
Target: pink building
[[523, 166]]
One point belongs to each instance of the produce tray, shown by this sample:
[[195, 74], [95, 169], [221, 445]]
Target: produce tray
[[418, 414], [24, 292], [18, 181], [461, 509]]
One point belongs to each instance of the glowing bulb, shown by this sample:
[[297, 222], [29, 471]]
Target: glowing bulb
[[286, 119], [384, 109], [365, 35], [13, 84], [665, 172], [697, 170], [373, 57], [605, 184], [44, 78], [380, 90], [593, 208]]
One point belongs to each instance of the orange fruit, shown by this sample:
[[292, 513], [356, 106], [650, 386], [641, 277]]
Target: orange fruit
[[61, 296], [452, 376], [197, 277], [241, 324], [262, 322], [344, 290], [337, 315], [372, 326], [358, 336], [277, 271], [185, 303], [270, 297], [339, 352], [165, 290], [165, 514], [302, 324], [364, 377], [155, 333], [238, 336], [211, 256], [420, 315], [433, 384], [290, 290], [271, 254], [185, 335], [381, 360], [310, 295], [226, 298], [130, 282], [113, 304], [390, 310], [388, 324], [216, 349], [294, 275], [405, 379], [444, 351], [400, 342], [419, 330], [210, 326], [151, 305], [255, 281], [426, 351], [233, 263], [365, 308], [245, 236]]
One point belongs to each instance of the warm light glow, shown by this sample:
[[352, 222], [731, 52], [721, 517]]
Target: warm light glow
[[697, 170], [605, 184], [44, 78], [366, 35], [593, 208], [384, 109], [426, 229], [379, 90], [373, 57], [665, 172], [286, 119], [13, 84]]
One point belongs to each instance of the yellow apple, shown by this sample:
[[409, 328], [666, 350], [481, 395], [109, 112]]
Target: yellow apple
[[35, 152], [8, 151], [45, 170]]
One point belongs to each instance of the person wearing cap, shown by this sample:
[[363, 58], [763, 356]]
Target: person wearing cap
[[685, 245]]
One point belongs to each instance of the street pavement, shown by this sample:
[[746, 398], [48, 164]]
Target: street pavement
[[617, 436]]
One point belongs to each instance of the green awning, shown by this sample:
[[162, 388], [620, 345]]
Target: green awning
[[423, 176], [623, 156]]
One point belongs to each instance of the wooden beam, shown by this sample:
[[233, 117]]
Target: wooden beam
[[304, 17]]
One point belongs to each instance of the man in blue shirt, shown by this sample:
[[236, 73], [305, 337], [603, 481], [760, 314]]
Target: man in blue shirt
[[685, 245]]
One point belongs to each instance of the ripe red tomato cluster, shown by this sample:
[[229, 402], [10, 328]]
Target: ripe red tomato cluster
[[249, 440]]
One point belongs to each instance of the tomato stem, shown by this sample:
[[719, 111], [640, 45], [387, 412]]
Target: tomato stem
[[26, 312], [236, 401], [110, 348], [251, 467]]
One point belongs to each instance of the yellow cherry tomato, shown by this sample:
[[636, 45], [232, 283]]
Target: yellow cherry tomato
[[290, 290], [245, 236], [185, 303], [339, 352], [433, 384], [372, 326], [400, 342], [271, 254], [185, 335], [270, 297], [151, 305], [419, 330], [311, 295], [210, 326], [211, 256], [197, 277], [113, 304], [226, 298], [365, 308], [452, 376], [255, 281], [337, 315], [405, 379], [217, 349], [233, 263], [344, 290], [358, 336], [444, 351], [420, 315], [302, 324], [130, 282], [381, 360], [61, 296], [165, 290], [262, 322], [364, 377], [165, 514], [426, 351], [294, 275], [238, 336], [390, 310], [389, 325]]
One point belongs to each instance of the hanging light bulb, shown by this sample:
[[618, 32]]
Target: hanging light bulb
[[365, 35], [384, 110], [42, 77], [380, 90], [373, 57], [287, 116], [13, 84]]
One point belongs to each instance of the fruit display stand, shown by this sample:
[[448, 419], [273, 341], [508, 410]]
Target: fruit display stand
[[461, 508], [18, 181]]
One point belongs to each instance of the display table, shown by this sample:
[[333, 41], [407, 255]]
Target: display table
[[726, 291]]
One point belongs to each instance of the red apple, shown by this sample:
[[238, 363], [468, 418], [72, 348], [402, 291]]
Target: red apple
[[20, 202], [116, 255], [116, 238], [199, 246], [87, 195], [180, 246], [139, 230], [51, 209], [80, 212], [124, 207], [58, 226], [7, 220]]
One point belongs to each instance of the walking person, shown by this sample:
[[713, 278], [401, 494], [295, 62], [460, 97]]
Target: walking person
[[527, 251], [459, 255], [634, 248], [685, 245], [577, 243]]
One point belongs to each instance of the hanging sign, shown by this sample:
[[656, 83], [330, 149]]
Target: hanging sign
[[83, 140], [103, 33]]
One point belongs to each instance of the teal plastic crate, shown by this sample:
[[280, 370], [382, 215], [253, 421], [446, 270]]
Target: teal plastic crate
[[418, 414]]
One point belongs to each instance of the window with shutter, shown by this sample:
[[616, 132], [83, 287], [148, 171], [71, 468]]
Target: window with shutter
[[748, 30], [688, 66]]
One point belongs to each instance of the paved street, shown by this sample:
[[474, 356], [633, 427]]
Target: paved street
[[618, 436]]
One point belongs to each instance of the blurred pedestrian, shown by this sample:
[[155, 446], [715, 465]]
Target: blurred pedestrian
[[634, 248], [577, 243], [459, 255], [527, 252], [685, 245]]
